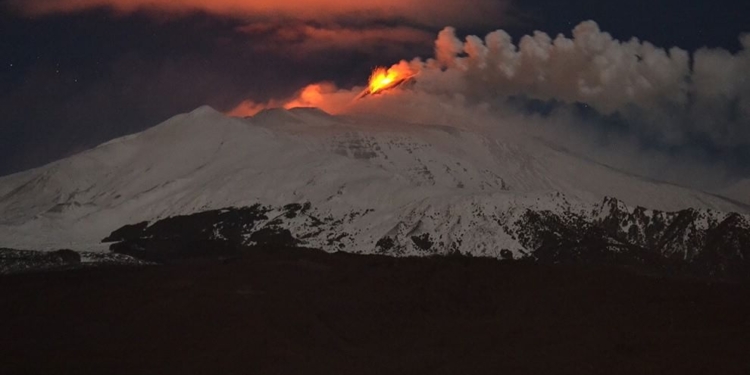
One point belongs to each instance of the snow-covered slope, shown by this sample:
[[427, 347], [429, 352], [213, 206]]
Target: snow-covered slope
[[739, 191], [365, 178]]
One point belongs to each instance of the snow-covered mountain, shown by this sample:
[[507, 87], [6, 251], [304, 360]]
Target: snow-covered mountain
[[367, 184]]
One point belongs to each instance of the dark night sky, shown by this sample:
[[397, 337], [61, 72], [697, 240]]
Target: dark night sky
[[70, 80]]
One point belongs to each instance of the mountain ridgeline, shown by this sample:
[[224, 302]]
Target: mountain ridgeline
[[689, 242]]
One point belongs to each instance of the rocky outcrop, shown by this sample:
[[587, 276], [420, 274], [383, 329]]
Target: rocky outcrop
[[216, 233], [688, 242], [702, 243]]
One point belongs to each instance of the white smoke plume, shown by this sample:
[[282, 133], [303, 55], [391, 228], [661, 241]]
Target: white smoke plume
[[657, 90]]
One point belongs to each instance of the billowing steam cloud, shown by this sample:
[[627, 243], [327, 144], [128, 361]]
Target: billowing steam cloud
[[669, 95], [590, 68], [655, 89]]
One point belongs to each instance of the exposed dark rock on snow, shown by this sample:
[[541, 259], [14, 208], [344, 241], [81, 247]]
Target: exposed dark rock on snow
[[683, 242], [688, 242], [217, 233]]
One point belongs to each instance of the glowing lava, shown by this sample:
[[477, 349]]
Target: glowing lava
[[383, 79]]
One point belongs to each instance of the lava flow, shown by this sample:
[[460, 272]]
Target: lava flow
[[384, 79]]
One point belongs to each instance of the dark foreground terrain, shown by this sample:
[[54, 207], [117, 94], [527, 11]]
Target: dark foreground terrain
[[305, 312]]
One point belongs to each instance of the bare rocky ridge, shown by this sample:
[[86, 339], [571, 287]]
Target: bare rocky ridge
[[688, 242]]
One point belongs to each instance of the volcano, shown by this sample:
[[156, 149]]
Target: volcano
[[364, 184]]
